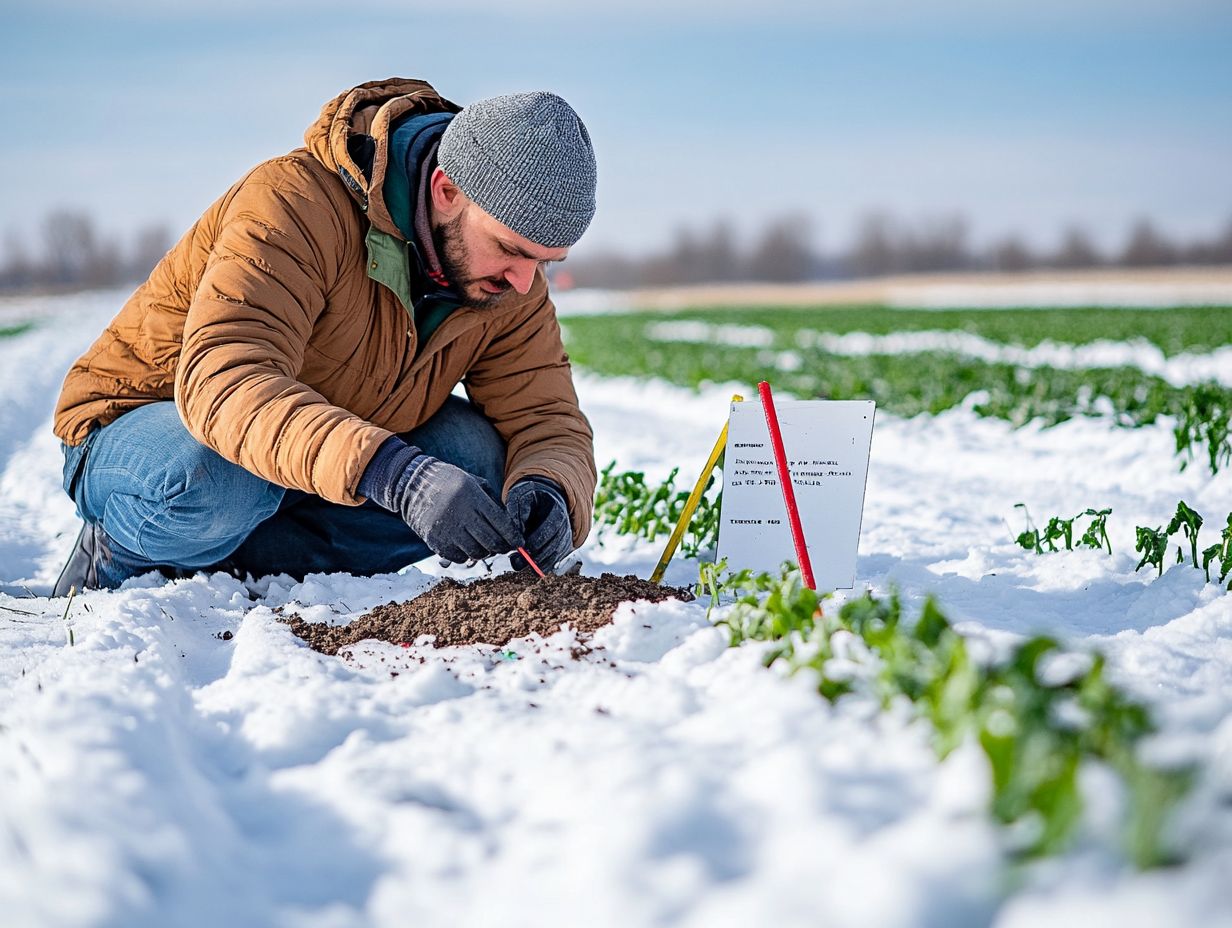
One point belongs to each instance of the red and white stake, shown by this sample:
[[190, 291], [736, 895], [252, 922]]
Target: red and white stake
[[789, 491]]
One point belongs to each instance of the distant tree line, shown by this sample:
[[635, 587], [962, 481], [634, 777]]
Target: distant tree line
[[67, 252], [783, 252]]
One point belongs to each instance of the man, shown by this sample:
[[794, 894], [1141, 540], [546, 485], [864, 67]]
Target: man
[[275, 398]]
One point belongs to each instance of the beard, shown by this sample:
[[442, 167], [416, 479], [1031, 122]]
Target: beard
[[454, 256]]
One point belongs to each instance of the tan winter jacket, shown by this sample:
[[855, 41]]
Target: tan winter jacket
[[277, 326]]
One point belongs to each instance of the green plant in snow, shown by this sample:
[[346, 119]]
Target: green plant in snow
[[703, 531], [715, 580], [1187, 521], [1059, 529], [1203, 420], [1152, 544], [1096, 534], [1029, 538], [1220, 553], [627, 505], [8, 331], [1036, 727]]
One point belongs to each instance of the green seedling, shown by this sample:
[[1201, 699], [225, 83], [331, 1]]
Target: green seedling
[[1096, 534], [1188, 522], [1152, 544], [626, 504], [1220, 553], [1035, 729], [1059, 529], [714, 580], [1203, 419], [1029, 538]]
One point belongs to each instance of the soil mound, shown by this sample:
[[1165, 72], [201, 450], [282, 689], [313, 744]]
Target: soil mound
[[492, 610]]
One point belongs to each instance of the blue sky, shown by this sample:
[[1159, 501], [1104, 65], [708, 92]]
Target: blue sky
[[1022, 116]]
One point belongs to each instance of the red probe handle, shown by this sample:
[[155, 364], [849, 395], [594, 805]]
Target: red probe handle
[[789, 492]]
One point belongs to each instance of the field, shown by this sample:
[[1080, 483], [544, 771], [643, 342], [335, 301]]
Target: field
[[1023, 715], [1048, 365]]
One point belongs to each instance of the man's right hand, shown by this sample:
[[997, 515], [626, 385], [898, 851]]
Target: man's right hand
[[451, 510]]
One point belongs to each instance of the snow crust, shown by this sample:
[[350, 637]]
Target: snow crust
[[187, 761]]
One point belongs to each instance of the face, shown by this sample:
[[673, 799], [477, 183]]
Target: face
[[484, 259]]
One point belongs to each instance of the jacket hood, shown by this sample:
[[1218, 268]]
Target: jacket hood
[[369, 109]]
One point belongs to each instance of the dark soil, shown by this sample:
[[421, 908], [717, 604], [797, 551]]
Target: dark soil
[[493, 611]]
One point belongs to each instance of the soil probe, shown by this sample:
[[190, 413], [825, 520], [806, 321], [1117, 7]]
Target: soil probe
[[789, 492], [690, 505], [531, 561]]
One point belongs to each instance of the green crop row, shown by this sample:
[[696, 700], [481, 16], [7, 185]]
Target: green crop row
[[625, 504], [1151, 543], [8, 331], [1058, 529], [1036, 723], [1173, 331], [907, 385]]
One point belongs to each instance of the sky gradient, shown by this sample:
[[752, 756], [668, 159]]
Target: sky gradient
[[1025, 117]]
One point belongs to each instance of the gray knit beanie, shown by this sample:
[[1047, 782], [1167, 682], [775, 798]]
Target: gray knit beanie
[[527, 161]]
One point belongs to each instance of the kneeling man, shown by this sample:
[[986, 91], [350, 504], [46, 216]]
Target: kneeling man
[[276, 397]]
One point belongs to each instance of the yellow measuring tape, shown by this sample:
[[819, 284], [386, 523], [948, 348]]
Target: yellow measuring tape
[[690, 505]]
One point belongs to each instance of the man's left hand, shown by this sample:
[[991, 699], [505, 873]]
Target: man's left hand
[[537, 505]]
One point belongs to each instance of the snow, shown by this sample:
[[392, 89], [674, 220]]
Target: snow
[[1179, 370], [157, 772], [689, 330], [1194, 289]]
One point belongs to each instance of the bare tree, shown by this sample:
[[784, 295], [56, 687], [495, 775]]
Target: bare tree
[[18, 271], [719, 259], [1221, 249], [68, 243], [150, 244], [1147, 247], [74, 254], [677, 265], [875, 251], [1076, 250], [783, 253], [1011, 254], [1216, 251], [606, 269], [938, 244]]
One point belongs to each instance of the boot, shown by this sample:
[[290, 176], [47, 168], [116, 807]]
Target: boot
[[88, 552]]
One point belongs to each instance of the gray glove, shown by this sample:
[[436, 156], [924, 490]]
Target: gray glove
[[537, 505], [453, 512]]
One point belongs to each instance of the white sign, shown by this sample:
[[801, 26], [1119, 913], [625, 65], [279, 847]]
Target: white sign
[[827, 444]]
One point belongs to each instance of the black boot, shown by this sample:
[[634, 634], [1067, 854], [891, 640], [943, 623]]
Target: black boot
[[88, 552]]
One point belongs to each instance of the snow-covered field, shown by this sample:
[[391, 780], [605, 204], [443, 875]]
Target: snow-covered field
[[156, 773], [1179, 370]]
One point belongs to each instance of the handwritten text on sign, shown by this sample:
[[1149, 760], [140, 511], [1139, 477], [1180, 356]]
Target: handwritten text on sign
[[827, 443]]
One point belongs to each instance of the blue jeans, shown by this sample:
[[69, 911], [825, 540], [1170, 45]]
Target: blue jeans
[[167, 502]]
